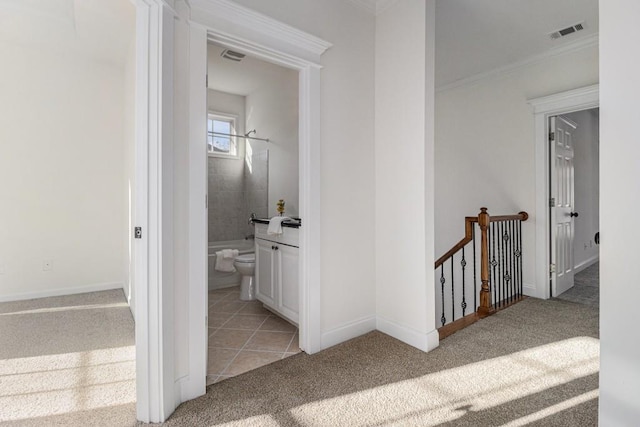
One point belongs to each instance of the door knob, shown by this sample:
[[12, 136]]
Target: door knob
[[574, 214]]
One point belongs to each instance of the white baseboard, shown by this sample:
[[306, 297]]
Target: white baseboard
[[587, 263], [532, 291], [425, 342], [62, 291], [348, 331]]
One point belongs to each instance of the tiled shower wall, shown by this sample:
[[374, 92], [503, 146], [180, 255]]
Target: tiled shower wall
[[235, 191]]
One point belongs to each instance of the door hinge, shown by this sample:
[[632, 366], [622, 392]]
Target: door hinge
[[552, 202], [206, 80], [552, 269], [137, 233], [206, 201], [552, 136]]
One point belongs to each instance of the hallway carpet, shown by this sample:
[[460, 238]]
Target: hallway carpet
[[586, 287], [535, 364], [67, 361]]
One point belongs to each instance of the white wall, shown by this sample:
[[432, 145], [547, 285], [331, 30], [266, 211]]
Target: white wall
[[61, 169], [586, 139], [403, 159], [273, 111], [347, 92], [619, 185], [485, 146]]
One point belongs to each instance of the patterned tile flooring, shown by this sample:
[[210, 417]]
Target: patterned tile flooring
[[244, 336], [586, 289]]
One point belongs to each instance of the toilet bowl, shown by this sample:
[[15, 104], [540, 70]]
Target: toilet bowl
[[246, 264]]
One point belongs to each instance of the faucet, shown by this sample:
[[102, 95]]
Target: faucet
[[252, 217]]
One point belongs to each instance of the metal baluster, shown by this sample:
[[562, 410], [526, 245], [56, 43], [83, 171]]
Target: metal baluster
[[501, 262], [453, 287], [442, 280], [520, 256], [494, 264], [511, 269], [475, 280], [463, 262]]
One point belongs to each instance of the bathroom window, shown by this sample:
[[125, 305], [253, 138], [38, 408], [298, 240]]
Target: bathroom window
[[220, 142]]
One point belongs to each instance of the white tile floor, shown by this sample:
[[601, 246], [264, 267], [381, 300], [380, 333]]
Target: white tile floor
[[244, 336]]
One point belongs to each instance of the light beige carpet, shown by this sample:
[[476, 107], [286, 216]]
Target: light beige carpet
[[533, 364], [67, 361], [70, 361]]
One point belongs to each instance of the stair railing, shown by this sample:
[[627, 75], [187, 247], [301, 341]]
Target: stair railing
[[500, 266]]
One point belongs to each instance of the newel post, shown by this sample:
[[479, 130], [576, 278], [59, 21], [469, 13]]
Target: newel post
[[485, 308]]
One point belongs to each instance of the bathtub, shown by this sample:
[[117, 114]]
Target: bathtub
[[218, 279]]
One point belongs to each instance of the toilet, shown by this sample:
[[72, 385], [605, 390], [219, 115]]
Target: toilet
[[246, 265]]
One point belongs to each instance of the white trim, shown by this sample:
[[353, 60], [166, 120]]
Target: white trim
[[96, 287], [154, 141], [586, 263], [567, 48], [198, 217], [348, 331], [258, 35], [366, 5], [374, 7], [225, 117], [532, 291], [543, 108], [244, 24], [420, 340]]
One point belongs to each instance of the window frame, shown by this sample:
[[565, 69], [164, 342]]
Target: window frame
[[233, 141]]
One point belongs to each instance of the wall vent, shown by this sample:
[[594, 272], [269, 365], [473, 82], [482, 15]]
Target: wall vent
[[234, 56], [566, 31]]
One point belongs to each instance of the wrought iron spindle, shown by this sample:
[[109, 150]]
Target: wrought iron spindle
[[463, 304], [512, 266], [475, 279], [494, 264], [520, 254], [443, 319], [501, 260], [453, 287]]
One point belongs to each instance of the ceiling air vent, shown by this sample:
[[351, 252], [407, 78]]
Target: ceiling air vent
[[234, 56], [566, 31]]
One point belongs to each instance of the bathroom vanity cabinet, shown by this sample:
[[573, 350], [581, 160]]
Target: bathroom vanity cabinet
[[276, 273]]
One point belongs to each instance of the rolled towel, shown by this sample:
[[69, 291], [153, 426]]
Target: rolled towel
[[275, 224], [229, 253], [223, 264]]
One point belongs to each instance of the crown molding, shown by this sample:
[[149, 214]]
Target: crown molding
[[374, 7], [567, 48], [228, 14], [366, 5]]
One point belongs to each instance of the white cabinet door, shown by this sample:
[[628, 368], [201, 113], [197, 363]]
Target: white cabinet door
[[287, 275], [265, 283]]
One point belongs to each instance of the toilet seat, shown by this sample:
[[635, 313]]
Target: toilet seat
[[247, 258]]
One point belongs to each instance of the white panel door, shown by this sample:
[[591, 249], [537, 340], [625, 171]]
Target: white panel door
[[562, 194]]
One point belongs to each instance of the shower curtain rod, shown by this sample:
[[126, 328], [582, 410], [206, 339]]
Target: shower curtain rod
[[240, 136]]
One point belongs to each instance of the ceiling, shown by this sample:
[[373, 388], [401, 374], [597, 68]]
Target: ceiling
[[241, 78], [476, 36], [99, 29]]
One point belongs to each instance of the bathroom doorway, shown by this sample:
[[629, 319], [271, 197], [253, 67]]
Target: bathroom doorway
[[252, 162]]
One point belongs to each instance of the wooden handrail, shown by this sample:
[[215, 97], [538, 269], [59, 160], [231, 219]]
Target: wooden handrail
[[468, 235]]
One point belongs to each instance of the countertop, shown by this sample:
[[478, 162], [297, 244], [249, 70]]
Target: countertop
[[295, 223]]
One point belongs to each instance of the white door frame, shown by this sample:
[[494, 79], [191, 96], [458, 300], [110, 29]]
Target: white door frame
[[561, 103], [249, 32]]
